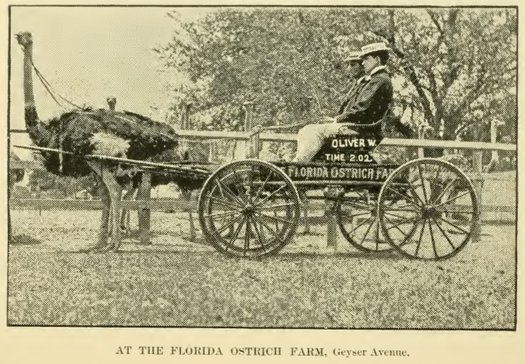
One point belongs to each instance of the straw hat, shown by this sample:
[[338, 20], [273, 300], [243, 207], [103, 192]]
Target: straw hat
[[374, 47], [354, 56]]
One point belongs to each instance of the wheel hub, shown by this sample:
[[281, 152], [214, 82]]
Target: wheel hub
[[428, 212], [249, 209]]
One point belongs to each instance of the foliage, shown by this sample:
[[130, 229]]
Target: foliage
[[448, 63], [276, 58], [44, 182], [16, 170]]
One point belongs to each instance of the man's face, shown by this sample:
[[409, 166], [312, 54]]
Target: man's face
[[355, 68], [370, 62]]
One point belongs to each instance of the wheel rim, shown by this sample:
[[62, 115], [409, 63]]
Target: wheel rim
[[428, 209], [248, 209], [357, 219]]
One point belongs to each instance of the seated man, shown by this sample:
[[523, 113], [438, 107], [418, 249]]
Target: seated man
[[367, 105]]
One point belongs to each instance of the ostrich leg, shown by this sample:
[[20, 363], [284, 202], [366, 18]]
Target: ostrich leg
[[110, 223], [104, 228], [115, 196], [125, 215], [104, 218]]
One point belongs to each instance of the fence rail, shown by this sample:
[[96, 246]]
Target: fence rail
[[493, 214], [253, 139], [291, 137]]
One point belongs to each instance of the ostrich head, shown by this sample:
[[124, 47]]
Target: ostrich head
[[25, 39], [112, 101]]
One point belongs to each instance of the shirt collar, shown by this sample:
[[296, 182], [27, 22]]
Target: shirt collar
[[377, 69], [361, 79]]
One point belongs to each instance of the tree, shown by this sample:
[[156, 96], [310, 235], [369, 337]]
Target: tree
[[447, 63], [456, 61], [282, 59]]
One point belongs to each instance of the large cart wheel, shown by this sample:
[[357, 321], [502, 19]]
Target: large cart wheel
[[428, 209], [248, 208], [357, 219]]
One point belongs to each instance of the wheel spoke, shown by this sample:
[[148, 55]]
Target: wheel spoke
[[415, 193], [420, 237], [454, 225], [398, 216], [261, 188], [276, 206], [221, 213], [445, 189], [275, 218], [432, 239], [422, 183], [236, 233], [410, 233], [237, 178], [437, 173], [367, 231], [229, 224], [404, 221], [269, 196], [409, 199], [395, 226], [361, 224], [401, 209], [247, 236], [376, 223], [443, 233], [456, 211], [271, 230], [224, 203], [260, 235], [225, 189], [452, 199]]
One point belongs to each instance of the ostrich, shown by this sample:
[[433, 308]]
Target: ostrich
[[88, 131]]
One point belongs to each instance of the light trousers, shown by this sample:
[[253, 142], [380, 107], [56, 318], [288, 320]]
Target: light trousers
[[310, 138]]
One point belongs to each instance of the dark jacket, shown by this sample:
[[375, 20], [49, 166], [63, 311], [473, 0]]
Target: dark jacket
[[352, 93], [371, 102]]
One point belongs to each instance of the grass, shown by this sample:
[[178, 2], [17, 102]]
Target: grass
[[176, 283]]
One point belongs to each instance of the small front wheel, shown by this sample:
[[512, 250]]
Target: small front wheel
[[249, 208]]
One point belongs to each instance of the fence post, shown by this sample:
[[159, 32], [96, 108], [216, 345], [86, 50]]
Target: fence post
[[494, 124], [144, 211], [477, 165], [306, 220], [330, 193], [421, 135], [185, 115], [186, 195], [212, 151], [252, 147]]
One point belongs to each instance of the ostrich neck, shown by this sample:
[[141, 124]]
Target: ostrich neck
[[29, 96], [37, 131]]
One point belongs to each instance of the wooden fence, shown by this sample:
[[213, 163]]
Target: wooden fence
[[252, 145]]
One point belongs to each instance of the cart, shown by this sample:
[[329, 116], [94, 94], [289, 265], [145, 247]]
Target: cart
[[425, 208]]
